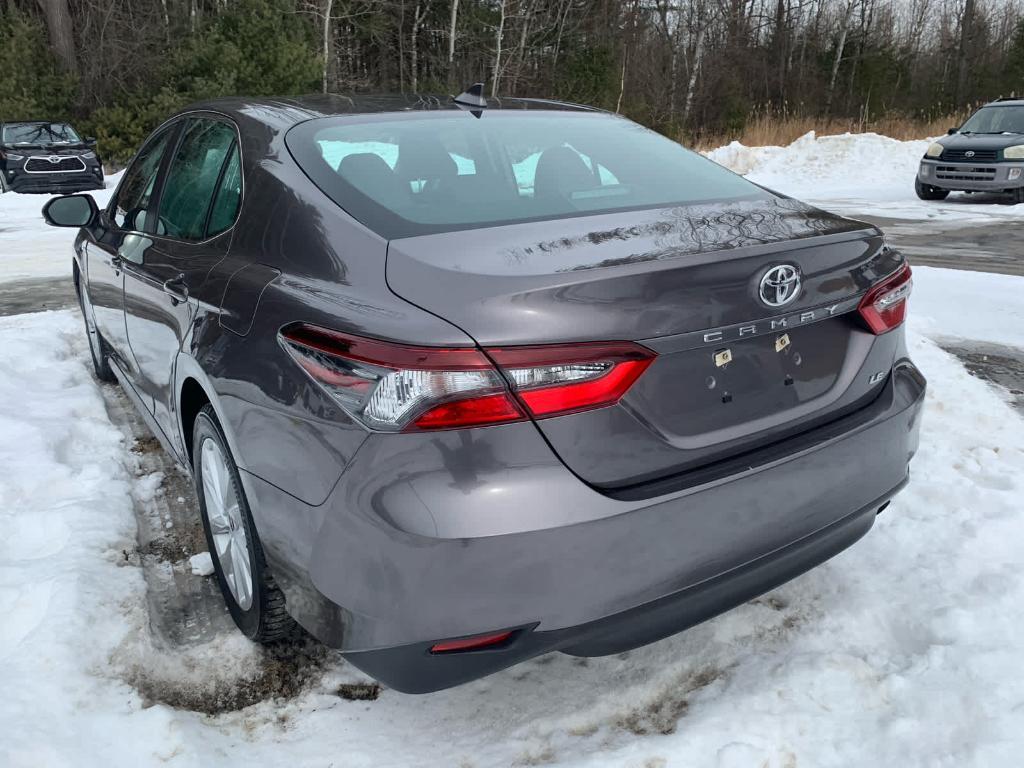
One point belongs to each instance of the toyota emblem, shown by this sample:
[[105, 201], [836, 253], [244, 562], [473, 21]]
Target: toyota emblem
[[780, 285]]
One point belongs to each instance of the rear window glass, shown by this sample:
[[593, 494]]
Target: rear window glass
[[404, 176]]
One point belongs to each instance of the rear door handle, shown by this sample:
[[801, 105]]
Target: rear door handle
[[176, 288], [116, 262]]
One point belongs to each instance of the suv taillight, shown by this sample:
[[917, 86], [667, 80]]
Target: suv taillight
[[396, 387], [885, 306]]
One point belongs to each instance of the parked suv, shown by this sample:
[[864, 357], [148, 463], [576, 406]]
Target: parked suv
[[985, 154], [39, 156], [463, 383]]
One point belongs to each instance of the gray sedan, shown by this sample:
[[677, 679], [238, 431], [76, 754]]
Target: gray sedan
[[463, 382]]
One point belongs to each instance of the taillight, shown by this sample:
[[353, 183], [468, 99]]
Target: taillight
[[561, 379], [885, 306], [394, 387]]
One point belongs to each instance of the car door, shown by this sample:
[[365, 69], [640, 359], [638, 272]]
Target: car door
[[197, 204], [120, 231]]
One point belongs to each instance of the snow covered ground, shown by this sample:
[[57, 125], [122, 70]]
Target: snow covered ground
[[857, 174], [905, 650], [28, 247]]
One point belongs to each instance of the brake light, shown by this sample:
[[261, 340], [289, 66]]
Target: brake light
[[884, 307], [556, 380], [395, 387]]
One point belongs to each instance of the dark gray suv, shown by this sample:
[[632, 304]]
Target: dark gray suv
[[463, 383], [985, 154]]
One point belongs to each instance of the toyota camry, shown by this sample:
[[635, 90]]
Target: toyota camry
[[461, 382]]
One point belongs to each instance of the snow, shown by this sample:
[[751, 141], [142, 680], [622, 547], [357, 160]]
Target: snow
[[201, 564], [31, 249], [901, 651], [904, 650], [861, 173]]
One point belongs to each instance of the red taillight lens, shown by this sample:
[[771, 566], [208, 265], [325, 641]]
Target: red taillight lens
[[394, 387], [884, 307], [556, 380], [471, 643]]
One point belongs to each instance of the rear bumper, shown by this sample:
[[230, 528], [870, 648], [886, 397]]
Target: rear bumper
[[967, 177], [430, 537]]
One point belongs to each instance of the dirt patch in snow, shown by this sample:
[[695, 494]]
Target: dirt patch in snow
[[359, 691], [662, 714], [280, 672], [176, 544]]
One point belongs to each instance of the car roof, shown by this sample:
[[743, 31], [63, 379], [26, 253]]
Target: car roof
[[291, 110], [1007, 102]]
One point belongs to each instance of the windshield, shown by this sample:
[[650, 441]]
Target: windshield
[[445, 171], [39, 133], [995, 120]]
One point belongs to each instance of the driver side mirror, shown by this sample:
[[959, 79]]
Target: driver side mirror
[[90, 141], [71, 211], [951, 131]]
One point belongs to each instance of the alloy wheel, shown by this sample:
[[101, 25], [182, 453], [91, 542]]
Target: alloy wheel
[[224, 512]]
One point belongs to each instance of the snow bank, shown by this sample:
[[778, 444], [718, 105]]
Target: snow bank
[[855, 173], [28, 247], [904, 650], [981, 306]]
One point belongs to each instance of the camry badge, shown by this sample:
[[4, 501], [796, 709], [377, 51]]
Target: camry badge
[[780, 285]]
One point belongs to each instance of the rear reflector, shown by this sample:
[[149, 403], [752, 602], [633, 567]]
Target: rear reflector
[[395, 387], [471, 643], [884, 307]]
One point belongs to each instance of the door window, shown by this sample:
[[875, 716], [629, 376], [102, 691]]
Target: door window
[[229, 195], [136, 188], [192, 178]]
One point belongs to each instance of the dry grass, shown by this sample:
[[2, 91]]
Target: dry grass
[[768, 130]]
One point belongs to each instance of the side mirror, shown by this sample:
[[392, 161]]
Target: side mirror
[[90, 141], [71, 211], [951, 131]]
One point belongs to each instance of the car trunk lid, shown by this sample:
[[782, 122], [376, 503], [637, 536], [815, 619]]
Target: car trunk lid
[[731, 373]]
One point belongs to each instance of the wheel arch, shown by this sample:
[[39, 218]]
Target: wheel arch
[[194, 390]]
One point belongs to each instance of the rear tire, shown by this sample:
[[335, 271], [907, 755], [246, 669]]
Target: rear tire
[[928, 192], [98, 349], [253, 598]]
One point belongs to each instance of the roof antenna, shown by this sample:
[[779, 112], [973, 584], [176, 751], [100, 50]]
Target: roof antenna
[[473, 99]]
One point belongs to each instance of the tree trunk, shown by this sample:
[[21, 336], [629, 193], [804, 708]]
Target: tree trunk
[[966, 40], [61, 33], [451, 42], [497, 51], [838, 59], [327, 40], [698, 54]]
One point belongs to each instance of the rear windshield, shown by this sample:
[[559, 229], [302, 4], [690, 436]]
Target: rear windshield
[[995, 120], [404, 176]]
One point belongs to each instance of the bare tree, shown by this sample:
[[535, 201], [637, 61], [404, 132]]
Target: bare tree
[[61, 31]]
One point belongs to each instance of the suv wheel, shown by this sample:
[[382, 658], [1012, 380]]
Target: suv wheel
[[254, 600], [1018, 196], [97, 346], [928, 192]]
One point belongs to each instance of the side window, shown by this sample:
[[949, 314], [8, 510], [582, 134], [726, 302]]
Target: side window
[[136, 188], [192, 178], [228, 197]]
